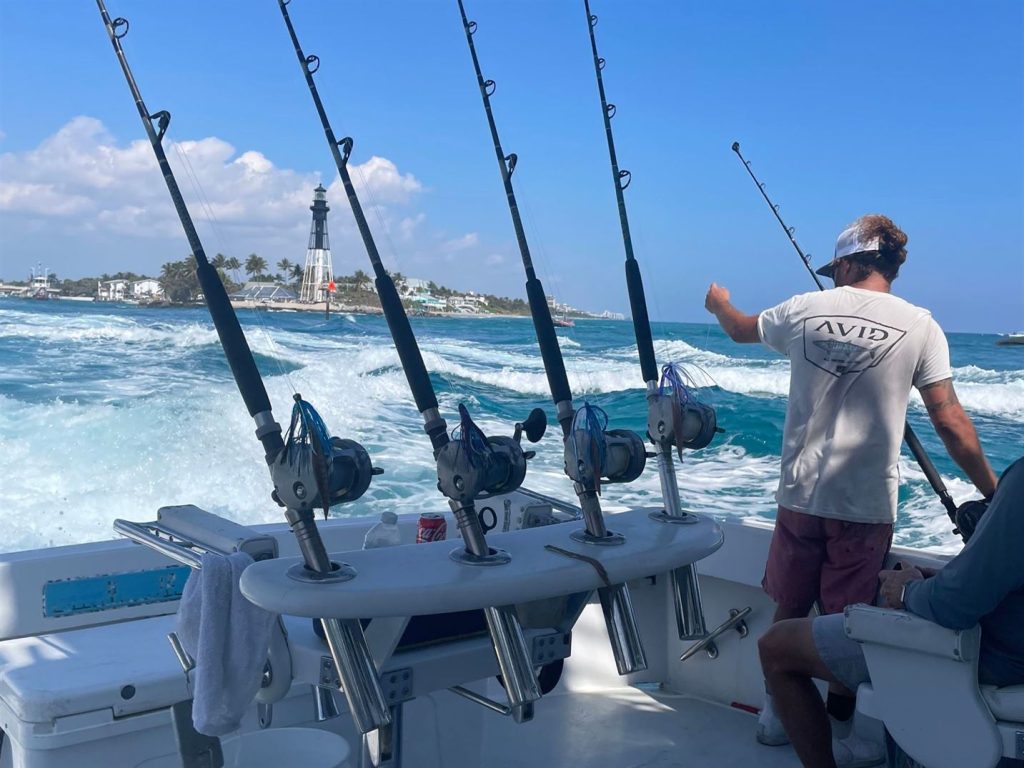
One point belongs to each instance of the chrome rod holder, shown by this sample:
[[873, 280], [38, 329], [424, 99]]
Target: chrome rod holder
[[620, 621], [382, 748], [685, 589], [683, 581], [358, 674], [735, 621], [326, 706], [514, 658]]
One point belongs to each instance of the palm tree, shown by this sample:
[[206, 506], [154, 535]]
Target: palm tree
[[178, 280], [219, 261], [255, 266], [297, 272], [360, 279], [285, 265], [234, 265]]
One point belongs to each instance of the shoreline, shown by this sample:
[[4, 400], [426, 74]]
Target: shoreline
[[292, 306]]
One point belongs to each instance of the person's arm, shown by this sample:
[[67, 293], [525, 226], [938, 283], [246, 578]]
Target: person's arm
[[957, 431], [975, 581], [741, 327]]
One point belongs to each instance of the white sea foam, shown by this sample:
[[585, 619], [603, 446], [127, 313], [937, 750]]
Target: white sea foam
[[151, 431]]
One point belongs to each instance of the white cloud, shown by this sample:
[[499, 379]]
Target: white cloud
[[82, 175], [468, 240], [102, 206]]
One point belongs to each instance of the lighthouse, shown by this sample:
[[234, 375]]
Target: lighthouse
[[318, 276]]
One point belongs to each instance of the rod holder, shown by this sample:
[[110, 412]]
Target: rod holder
[[620, 621], [383, 748], [514, 660], [359, 680], [683, 581], [690, 622], [326, 706]]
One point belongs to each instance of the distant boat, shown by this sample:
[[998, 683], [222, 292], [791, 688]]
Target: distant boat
[[39, 286], [563, 322], [1011, 339]]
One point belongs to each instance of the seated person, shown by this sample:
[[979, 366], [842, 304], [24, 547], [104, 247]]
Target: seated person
[[983, 584]]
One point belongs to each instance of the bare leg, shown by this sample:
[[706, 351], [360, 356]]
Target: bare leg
[[790, 659], [783, 613]]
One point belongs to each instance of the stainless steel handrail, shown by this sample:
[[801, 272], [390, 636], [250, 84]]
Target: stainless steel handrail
[[148, 534]]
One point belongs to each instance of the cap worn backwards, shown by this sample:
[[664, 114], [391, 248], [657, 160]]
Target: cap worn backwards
[[849, 243]]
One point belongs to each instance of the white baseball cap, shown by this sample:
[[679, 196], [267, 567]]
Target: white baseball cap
[[850, 243]]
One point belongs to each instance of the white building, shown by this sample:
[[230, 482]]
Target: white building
[[469, 302], [113, 290], [413, 285], [147, 288]]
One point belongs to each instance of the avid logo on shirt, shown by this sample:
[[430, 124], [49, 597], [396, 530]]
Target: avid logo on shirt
[[840, 344]]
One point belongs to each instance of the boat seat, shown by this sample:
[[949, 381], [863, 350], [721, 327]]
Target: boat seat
[[924, 687], [124, 668]]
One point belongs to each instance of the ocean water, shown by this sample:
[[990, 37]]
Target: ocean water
[[111, 411]]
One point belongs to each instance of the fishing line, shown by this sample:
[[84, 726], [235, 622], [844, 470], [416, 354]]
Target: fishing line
[[376, 207], [215, 227]]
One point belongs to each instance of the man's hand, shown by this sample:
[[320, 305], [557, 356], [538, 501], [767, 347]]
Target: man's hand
[[740, 327], [892, 583], [717, 299]]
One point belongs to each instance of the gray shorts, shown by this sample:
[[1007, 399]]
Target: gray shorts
[[843, 656]]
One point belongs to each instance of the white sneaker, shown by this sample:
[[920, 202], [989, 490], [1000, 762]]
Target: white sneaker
[[854, 752], [769, 728]]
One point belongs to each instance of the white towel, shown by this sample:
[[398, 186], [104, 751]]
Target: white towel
[[228, 637]]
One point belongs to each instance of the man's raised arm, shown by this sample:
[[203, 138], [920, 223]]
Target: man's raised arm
[[740, 327], [957, 431]]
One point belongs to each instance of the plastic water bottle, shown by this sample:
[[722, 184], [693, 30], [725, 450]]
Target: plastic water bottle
[[383, 534]]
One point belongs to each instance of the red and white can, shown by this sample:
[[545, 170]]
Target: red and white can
[[431, 527]]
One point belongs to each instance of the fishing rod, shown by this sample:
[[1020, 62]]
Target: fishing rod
[[473, 465], [592, 453], [309, 468], [675, 418], [918, 451]]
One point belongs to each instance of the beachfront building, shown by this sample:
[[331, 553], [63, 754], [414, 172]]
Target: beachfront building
[[467, 303], [113, 290], [147, 288], [413, 285], [256, 291], [317, 277], [429, 302]]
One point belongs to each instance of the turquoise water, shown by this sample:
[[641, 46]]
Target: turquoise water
[[113, 411]]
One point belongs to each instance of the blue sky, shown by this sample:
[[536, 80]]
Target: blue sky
[[913, 109]]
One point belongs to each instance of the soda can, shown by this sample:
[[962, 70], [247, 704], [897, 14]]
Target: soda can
[[431, 527]]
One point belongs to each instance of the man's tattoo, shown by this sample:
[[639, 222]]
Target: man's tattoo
[[950, 402]]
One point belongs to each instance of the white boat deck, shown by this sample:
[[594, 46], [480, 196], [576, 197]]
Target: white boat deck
[[626, 727]]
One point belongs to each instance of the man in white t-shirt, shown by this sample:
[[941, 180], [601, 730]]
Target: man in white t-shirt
[[855, 352]]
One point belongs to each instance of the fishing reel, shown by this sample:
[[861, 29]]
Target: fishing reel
[[594, 453], [675, 417], [473, 465], [315, 471], [968, 515]]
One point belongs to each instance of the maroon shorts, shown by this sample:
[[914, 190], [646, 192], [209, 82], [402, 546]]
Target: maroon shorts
[[815, 558]]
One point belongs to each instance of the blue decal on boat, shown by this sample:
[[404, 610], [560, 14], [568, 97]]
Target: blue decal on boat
[[115, 590]]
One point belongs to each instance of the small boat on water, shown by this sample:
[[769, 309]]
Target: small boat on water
[[563, 322], [1011, 340], [39, 286]]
